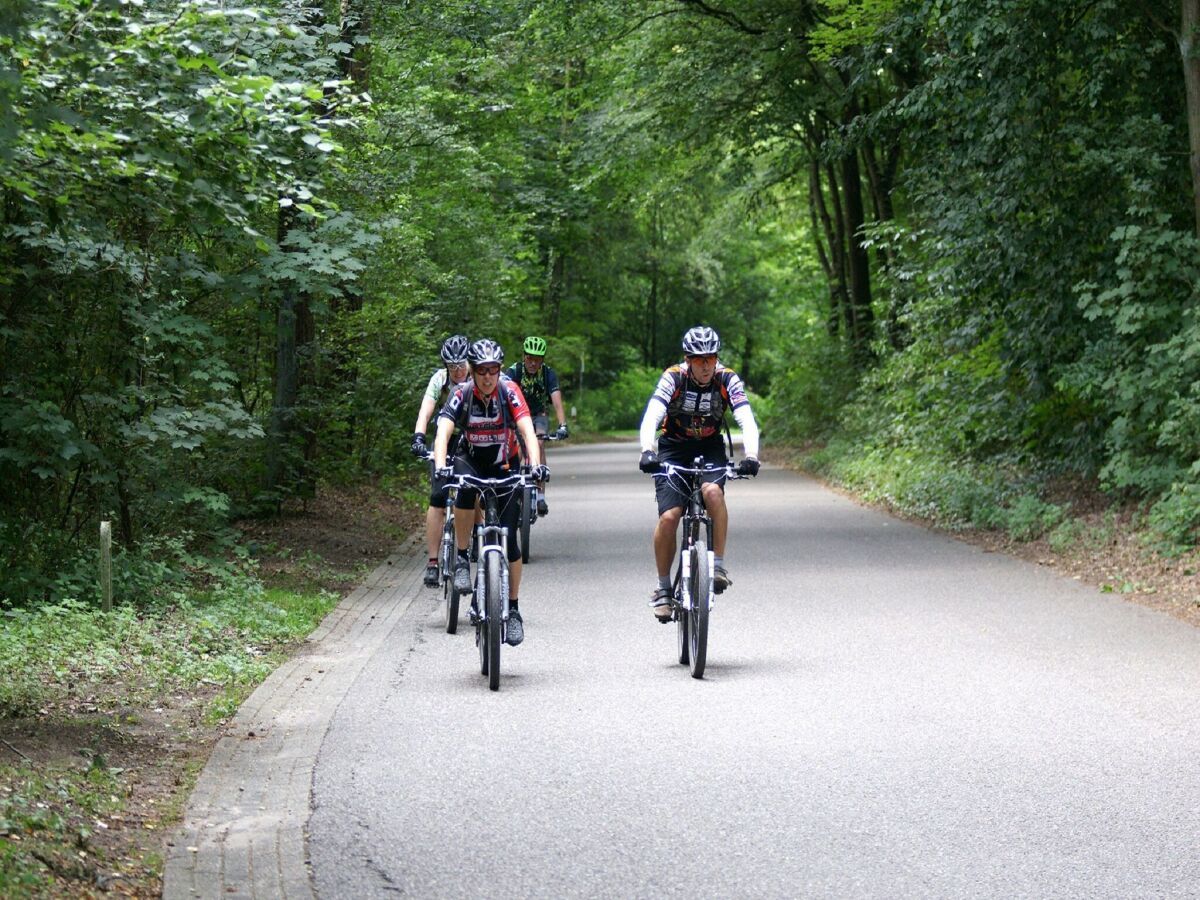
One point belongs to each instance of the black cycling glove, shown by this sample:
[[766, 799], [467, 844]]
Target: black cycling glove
[[649, 461], [561, 434], [418, 445], [540, 473], [748, 466]]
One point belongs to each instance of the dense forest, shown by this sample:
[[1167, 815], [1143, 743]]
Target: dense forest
[[950, 244]]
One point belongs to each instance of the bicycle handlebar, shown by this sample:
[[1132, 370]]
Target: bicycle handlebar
[[667, 469], [519, 479]]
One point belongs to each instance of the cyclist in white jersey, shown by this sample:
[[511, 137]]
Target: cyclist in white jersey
[[453, 372]]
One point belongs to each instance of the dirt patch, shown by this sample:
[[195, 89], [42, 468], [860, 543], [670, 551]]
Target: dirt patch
[[332, 540], [1102, 545], [139, 765], [153, 754]]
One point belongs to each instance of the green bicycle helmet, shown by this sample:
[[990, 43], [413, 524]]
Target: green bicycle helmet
[[535, 346]]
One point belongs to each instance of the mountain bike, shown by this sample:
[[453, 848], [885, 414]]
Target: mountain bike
[[528, 514], [446, 554], [692, 585], [489, 615]]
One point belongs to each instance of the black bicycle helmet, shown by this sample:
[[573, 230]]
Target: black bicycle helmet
[[484, 351], [701, 341], [454, 349]]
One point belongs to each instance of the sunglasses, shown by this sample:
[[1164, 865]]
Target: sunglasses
[[709, 360], [487, 370]]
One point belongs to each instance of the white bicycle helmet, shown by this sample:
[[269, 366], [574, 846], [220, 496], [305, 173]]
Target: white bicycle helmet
[[454, 349], [484, 351], [701, 341]]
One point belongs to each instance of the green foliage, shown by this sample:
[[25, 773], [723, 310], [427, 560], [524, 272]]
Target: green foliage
[[1175, 518], [620, 403], [52, 815], [226, 636]]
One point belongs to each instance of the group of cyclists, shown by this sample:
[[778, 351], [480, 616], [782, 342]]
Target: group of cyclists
[[500, 417]]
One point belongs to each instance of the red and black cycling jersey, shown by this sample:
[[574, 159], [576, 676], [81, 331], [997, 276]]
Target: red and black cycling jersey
[[487, 426], [695, 412]]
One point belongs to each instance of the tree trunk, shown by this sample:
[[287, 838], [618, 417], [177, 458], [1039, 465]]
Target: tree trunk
[[355, 27], [1190, 22], [817, 210], [860, 266], [294, 335]]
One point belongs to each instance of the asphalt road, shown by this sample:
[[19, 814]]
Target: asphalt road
[[886, 712]]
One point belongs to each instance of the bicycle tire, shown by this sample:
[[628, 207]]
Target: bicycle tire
[[527, 501], [481, 633], [681, 619], [698, 618], [494, 605], [447, 555]]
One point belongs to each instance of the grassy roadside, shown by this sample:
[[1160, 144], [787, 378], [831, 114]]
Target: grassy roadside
[[107, 719], [1067, 525]]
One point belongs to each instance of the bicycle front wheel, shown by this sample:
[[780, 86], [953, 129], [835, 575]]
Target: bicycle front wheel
[[446, 562], [681, 618], [527, 501], [494, 606], [698, 616]]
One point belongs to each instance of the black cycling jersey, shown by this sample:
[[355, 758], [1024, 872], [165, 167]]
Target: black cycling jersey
[[537, 388]]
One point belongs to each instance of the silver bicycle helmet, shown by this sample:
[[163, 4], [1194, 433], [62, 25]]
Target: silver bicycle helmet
[[484, 351], [454, 349], [701, 341]]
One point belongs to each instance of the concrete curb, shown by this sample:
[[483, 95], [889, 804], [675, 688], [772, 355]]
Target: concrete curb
[[243, 833]]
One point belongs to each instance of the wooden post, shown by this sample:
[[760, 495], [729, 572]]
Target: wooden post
[[106, 565]]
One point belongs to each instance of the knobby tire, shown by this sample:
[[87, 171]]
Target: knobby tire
[[527, 502], [698, 618], [448, 555], [494, 606]]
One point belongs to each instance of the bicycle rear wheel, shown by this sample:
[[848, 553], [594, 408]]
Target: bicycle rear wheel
[[494, 605], [527, 501], [698, 617], [446, 557]]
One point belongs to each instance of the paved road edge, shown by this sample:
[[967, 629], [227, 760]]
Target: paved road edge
[[243, 833]]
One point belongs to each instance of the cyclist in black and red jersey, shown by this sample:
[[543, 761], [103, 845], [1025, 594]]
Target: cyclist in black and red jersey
[[453, 371], [490, 412], [539, 384], [690, 402]]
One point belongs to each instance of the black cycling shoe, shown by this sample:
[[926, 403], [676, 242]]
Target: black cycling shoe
[[661, 601], [515, 633], [431, 575], [721, 579], [462, 576], [542, 508]]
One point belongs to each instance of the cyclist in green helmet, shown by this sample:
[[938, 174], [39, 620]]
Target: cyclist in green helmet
[[539, 383]]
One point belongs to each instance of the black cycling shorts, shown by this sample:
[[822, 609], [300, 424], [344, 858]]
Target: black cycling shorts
[[671, 492], [510, 511], [437, 489]]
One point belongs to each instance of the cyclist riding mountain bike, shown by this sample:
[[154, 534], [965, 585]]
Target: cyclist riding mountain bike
[[690, 402], [539, 384], [453, 371], [488, 412]]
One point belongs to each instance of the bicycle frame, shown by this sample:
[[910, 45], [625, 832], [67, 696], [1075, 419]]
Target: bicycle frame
[[691, 612], [491, 542], [695, 523]]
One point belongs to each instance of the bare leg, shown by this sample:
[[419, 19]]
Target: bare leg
[[664, 539], [714, 502], [435, 518], [514, 578], [462, 529]]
